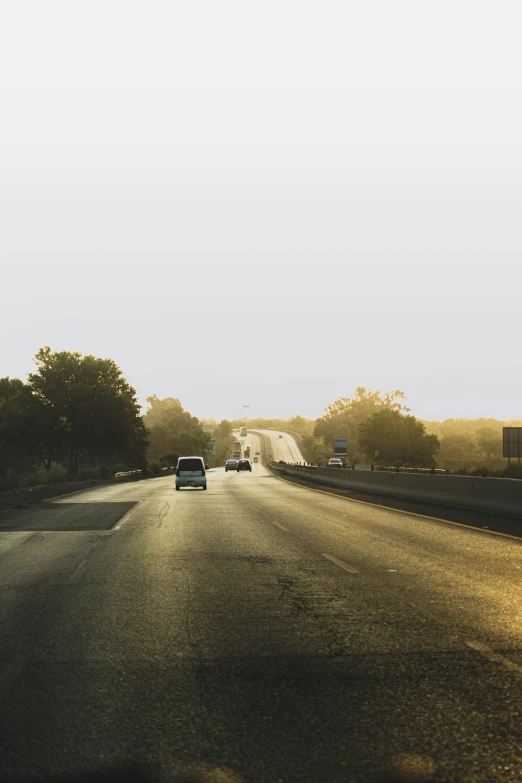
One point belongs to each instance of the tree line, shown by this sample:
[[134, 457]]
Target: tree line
[[173, 432], [379, 428], [77, 417], [468, 445]]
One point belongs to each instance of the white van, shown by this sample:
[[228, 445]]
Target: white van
[[190, 472]]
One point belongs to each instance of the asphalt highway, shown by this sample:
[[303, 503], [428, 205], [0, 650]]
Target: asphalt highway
[[284, 447], [259, 631]]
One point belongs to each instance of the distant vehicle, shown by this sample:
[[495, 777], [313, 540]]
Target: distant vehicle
[[237, 445], [247, 452], [256, 459], [231, 464], [280, 436], [341, 449], [258, 452], [236, 455], [244, 464], [335, 462], [243, 432], [190, 472]]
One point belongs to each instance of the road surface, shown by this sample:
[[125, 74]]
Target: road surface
[[284, 446], [259, 631]]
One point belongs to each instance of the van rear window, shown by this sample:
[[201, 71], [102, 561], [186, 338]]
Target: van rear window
[[190, 464]]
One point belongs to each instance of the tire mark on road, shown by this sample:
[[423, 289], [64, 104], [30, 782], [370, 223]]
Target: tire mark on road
[[164, 510]]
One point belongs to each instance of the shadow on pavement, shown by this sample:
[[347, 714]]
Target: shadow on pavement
[[54, 517]]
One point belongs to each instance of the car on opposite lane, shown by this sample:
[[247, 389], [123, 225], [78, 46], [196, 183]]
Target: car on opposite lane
[[335, 462], [244, 464], [231, 464]]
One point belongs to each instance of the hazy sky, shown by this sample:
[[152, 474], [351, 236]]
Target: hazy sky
[[267, 203]]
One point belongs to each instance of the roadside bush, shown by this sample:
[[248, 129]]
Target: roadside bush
[[9, 480], [105, 472], [57, 474], [89, 474]]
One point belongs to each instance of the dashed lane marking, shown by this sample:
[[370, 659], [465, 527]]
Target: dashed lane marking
[[487, 652], [278, 524], [340, 563], [78, 572]]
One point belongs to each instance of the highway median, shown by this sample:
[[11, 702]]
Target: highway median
[[485, 503]]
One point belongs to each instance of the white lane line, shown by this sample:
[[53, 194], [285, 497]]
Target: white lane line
[[487, 652], [399, 510], [10, 675], [126, 516], [340, 563], [281, 527], [78, 572]]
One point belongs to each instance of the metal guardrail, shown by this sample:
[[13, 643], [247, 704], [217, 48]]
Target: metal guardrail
[[366, 468], [476, 493]]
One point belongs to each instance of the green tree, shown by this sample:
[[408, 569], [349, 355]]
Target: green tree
[[457, 448], [300, 425], [18, 439], [88, 409], [489, 441], [343, 417], [173, 431], [390, 437], [223, 430], [315, 450]]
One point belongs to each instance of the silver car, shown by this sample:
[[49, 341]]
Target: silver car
[[190, 472]]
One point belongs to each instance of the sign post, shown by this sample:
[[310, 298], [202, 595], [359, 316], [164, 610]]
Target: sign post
[[212, 447], [512, 443]]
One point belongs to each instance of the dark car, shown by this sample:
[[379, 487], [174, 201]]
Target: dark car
[[230, 464], [244, 464]]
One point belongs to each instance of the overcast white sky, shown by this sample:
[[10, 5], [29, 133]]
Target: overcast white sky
[[267, 203]]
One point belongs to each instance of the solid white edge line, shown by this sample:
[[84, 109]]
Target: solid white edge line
[[487, 531], [11, 674], [340, 563], [487, 652]]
